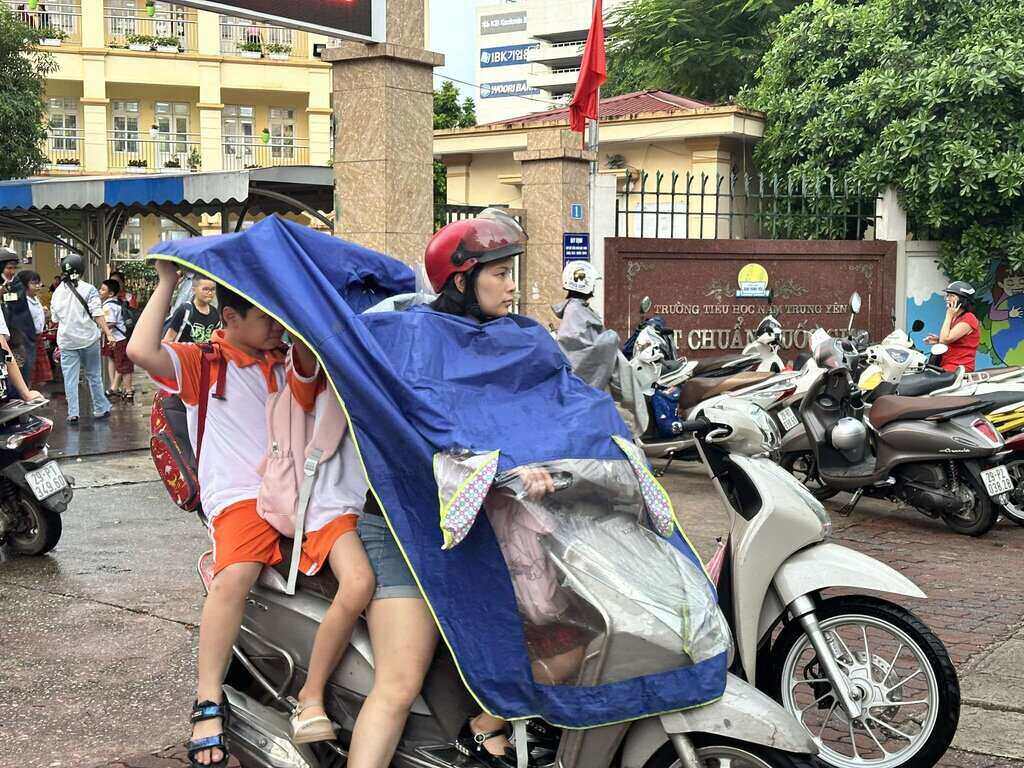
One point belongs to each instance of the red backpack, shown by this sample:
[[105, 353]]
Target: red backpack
[[169, 442]]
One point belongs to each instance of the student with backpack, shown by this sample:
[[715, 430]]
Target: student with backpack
[[195, 321], [226, 387], [119, 366]]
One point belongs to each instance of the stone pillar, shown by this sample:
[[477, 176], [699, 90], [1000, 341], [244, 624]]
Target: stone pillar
[[208, 33], [94, 31], [556, 174], [383, 158], [711, 161], [210, 108]]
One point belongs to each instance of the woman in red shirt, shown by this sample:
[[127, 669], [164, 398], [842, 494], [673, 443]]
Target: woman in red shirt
[[960, 330]]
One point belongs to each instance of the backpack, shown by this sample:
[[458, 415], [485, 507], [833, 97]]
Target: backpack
[[169, 443], [129, 318], [298, 444]]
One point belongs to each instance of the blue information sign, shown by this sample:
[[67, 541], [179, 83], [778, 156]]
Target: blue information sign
[[576, 211], [575, 247]]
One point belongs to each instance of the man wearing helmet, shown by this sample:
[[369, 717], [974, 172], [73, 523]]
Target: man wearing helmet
[[589, 348], [79, 314], [960, 329]]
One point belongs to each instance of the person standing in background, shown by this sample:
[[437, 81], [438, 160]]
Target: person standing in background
[[79, 314], [195, 321], [41, 371], [17, 314]]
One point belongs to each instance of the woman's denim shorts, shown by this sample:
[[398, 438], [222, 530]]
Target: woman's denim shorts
[[394, 579]]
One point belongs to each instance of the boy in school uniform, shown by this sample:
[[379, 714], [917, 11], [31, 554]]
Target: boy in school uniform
[[233, 447]]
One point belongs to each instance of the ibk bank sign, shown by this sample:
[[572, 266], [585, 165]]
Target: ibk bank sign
[[504, 55], [363, 20]]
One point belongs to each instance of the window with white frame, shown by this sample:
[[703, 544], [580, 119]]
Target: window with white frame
[[171, 118], [171, 231], [63, 116], [282, 132], [125, 116], [238, 125], [129, 243]]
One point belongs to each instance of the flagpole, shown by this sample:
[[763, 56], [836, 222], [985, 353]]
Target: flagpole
[[593, 142]]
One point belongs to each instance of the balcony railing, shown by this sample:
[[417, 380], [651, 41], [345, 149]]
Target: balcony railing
[[171, 152], [257, 41], [168, 31], [62, 20], [63, 149], [247, 153]]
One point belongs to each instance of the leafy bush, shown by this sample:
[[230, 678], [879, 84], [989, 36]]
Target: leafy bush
[[254, 46], [141, 40], [924, 95], [277, 48], [168, 40]]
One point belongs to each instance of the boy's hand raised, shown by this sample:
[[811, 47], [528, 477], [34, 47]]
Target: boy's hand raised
[[166, 270]]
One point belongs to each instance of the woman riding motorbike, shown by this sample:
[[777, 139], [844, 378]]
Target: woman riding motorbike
[[960, 328], [470, 265]]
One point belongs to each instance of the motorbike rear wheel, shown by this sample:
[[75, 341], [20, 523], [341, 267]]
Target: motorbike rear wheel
[[41, 531], [804, 467], [895, 664], [1016, 470], [979, 519], [720, 752]]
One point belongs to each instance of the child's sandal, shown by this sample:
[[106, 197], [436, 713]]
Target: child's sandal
[[209, 710]]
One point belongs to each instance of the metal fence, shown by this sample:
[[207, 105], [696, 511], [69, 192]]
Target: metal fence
[[747, 207], [59, 22]]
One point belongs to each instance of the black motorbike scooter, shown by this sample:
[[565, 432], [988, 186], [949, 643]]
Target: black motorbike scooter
[[34, 491]]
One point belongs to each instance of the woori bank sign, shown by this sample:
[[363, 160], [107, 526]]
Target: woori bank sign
[[363, 20]]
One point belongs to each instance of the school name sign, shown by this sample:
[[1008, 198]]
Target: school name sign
[[363, 20]]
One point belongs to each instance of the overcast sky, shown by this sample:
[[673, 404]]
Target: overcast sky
[[452, 33]]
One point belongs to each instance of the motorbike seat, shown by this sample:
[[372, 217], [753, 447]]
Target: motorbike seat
[[700, 388], [709, 364], [323, 584], [923, 383], [892, 408]]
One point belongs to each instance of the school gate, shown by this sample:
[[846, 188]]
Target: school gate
[[716, 255]]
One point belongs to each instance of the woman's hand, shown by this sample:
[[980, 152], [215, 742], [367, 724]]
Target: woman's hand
[[931, 338], [537, 482]]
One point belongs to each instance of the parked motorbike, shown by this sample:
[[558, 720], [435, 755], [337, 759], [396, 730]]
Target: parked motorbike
[[869, 680], [34, 491], [744, 728], [938, 454]]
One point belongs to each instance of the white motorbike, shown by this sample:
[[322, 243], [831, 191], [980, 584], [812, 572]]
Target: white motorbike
[[870, 682]]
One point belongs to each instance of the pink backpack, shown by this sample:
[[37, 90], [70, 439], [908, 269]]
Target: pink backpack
[[298, 443]]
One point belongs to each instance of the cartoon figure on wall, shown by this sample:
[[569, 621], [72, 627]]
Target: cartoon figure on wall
[[1003, 330]]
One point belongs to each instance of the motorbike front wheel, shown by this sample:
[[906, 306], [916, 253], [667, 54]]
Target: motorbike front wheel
[[979, 518], [720, 752], [895, 667], [40, 529], [804, 467]]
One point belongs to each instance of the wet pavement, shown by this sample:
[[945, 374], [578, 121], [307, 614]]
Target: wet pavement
[[127, 429], [99, 637]]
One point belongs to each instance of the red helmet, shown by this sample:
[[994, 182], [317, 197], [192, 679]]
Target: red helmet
[[462, 245]]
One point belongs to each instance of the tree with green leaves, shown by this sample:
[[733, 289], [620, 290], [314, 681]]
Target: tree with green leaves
[[704, 49], [449, 112], [22, 97], [923, 95]]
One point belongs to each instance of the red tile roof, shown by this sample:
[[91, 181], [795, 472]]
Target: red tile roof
[[616, 106]]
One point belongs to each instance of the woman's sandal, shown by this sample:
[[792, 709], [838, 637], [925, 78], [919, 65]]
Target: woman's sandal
[[319, 728], [209, 710], [472, 745]]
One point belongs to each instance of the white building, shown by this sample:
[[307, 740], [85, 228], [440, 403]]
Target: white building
[[529, 54]]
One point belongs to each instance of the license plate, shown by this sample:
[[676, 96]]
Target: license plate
[[997, 480], [788, 419], [46, 481]]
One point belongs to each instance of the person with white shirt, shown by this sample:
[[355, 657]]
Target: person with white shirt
[[41, 370], [79, 314]]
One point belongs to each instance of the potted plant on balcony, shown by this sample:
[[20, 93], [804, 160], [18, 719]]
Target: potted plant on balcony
[[168, 44], [172, 162], [140, 42], [251, 49], [195, 160], [278, 51], [52, 36], [67, 163], [138, 165]]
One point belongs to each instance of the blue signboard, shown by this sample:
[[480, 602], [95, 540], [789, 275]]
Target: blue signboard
[[503, 90], [504, 55], [576, 211], [575, 247]]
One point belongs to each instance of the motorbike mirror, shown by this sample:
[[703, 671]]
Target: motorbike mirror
[[645, 304], [939, 349], [855, 303], [917, 326]]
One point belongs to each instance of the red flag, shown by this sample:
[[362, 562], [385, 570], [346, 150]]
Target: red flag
[[593, 72]]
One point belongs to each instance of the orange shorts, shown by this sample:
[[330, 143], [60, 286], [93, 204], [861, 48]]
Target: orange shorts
[[240, 535]]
